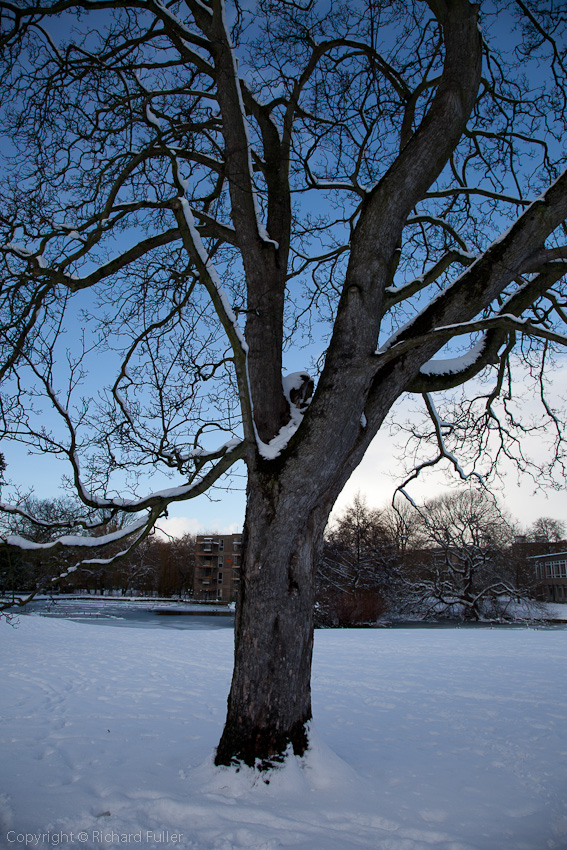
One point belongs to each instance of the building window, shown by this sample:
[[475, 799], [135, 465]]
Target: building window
[[556, 569]]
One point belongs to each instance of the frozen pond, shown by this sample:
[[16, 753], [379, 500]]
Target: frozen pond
[[172, 614], [138, 613]]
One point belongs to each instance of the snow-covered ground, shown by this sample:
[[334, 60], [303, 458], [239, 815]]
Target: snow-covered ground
[[424, 739]]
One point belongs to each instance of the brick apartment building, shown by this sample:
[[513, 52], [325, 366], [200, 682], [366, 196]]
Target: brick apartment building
[[217, 567]]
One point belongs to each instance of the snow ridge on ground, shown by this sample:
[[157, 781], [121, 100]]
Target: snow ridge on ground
[[447, 739]]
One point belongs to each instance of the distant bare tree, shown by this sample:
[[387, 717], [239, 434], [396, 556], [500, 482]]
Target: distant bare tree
[[359, 528], [546, 529], [178, 566], [470, 570], [402, 524]]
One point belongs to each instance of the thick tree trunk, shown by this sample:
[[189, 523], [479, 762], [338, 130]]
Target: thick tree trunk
[[270, 698]]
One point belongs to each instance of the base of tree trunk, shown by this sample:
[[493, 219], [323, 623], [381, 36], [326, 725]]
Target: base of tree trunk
[[260, 748]]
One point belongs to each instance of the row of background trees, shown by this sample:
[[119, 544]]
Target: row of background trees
[[158, 565], [459, 556]]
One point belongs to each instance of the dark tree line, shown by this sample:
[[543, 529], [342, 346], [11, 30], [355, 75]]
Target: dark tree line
[[158, 566], [460, 556]]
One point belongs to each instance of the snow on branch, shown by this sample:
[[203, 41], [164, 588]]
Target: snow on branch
[[209, 276], [483, 193], [75, 541], [297, 388], [205, 265], [455, 365], [438, 425], [395, 294], [460, 365], [316, 183], [225, 456], [394, 347]]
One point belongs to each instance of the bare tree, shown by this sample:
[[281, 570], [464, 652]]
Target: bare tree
[[470, 570], [402, 524], [547, 530], [177, 565], [359, 528], [194, 190]]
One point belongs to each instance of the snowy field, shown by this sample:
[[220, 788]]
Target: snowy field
[[424, 739]]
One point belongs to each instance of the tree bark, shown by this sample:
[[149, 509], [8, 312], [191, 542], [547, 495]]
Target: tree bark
[[270, 698]]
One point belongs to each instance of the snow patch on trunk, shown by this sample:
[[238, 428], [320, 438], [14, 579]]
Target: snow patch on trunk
[[297, 389]]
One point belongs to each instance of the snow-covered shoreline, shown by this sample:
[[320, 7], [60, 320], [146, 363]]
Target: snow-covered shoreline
[[437, 739]]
